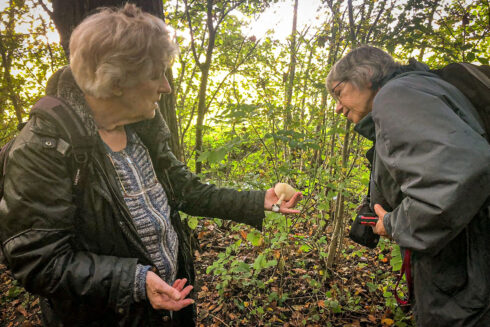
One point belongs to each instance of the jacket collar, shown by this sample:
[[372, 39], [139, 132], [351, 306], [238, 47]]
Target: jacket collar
[[63, 85], [413, 66], [365, 127]]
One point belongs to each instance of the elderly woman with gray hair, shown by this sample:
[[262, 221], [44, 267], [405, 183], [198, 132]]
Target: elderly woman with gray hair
[[430, 179], [120, 255]]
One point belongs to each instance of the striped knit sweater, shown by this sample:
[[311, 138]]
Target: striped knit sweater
[[148, 205]]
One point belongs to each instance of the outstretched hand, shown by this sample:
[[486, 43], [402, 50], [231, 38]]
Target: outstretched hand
[[163, 296], [285, 208]]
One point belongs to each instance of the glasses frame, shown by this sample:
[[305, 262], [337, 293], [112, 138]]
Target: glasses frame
[[332, 91]]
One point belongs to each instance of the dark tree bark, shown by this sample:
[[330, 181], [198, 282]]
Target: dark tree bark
[[67, 15]]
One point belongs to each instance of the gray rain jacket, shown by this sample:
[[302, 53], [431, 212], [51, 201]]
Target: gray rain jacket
[[83, 260], [431, 172]]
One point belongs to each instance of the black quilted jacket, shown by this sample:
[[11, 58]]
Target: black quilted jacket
[[81, 260]]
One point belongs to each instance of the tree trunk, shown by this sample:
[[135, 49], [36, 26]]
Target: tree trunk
[[68, 14], [292, 69], [201, 112], [201, 107], [339, 213]]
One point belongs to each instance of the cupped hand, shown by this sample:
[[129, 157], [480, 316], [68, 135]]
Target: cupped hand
[[285, 208], [163, 296]]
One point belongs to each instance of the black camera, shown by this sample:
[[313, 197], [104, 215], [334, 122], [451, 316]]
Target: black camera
[[360, 229]]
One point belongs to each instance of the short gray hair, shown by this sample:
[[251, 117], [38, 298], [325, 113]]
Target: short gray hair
[[362, 66], [119, 48]]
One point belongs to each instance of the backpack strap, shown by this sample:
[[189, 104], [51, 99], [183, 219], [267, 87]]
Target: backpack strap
[[72, 128]]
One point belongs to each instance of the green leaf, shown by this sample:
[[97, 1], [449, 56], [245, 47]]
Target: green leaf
[[192, 222], [254, 238], [483, 60], [240, 267], [396, 258], [305, 248], [260, 262]]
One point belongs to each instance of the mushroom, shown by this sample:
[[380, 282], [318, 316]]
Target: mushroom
[[284, 192]]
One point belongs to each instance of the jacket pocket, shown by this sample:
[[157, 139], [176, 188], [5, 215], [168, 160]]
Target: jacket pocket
[[449, 267]]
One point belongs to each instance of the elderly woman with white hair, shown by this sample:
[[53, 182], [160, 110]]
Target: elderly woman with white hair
[[119, 254], [430, 180]]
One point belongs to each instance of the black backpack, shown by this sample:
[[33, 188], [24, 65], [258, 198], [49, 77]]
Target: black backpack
[[474, 82], [72, 130]]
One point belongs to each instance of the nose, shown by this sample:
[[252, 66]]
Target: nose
[[164, 86], [339, 107]]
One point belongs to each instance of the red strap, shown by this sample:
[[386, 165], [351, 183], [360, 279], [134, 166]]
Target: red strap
[[408, 273]]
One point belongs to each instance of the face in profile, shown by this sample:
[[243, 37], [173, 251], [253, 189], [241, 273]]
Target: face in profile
[[139, 102], [352, 102]]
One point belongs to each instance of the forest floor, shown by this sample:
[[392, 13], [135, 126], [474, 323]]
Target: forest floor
[[354, 293]]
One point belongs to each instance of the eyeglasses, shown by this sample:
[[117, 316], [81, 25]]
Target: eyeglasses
[[332, 91]]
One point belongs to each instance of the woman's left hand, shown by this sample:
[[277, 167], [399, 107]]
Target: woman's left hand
[[380, 227], [271, 198]]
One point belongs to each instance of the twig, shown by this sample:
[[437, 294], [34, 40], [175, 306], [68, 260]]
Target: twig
[[224, 323]]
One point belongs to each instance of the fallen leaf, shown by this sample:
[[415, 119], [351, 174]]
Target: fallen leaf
[[372, 318], [387, 321], [243, 234], [22, 310], [218, 308], [321, 304], [299, 271]]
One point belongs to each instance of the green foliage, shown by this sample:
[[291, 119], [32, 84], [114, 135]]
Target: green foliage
[[27, 57], [253, 139]]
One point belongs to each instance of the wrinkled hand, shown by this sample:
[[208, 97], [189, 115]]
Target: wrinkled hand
[[271, 198], [380, 227], [163, 296]]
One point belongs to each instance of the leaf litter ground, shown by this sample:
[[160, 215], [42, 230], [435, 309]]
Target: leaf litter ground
[[354, 293]]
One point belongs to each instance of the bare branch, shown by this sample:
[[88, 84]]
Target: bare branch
[[189, 21], [46, 9]]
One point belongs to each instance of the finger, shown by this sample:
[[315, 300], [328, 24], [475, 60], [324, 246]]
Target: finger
[[296, 197], [180, 285], [380, 212], [172, 293], [176, 306], [186, 291], [288, 211]]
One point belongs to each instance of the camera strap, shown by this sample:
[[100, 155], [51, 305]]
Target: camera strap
[[406, 270]]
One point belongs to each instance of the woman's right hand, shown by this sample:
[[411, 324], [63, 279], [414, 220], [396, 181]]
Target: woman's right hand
[[163, 296]]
